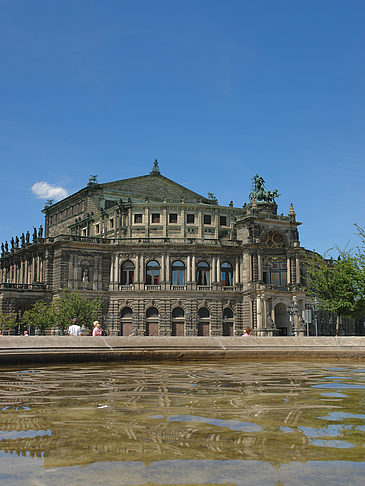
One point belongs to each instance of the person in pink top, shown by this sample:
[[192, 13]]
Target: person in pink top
[[248, 332], [97, 331]]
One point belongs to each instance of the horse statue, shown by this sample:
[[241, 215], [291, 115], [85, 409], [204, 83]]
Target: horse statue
[[259, 192]]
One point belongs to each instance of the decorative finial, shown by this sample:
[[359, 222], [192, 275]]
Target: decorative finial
[[291, 210], [155, 168], [92, 180]]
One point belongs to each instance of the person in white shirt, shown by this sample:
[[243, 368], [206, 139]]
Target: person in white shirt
[[74, 329]]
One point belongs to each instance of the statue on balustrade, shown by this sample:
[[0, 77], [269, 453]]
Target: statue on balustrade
[[34, 233], [40, 232], [22, 238], [27, 237]]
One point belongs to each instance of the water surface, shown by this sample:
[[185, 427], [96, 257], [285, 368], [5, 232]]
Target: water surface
[[184, 424]]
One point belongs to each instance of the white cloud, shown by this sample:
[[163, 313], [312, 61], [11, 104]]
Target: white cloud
[[43, 190]]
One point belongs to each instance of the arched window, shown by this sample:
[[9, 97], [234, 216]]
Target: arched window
[[226, 274], [126, 313], [178, 312], [151, 322], [126, 322], [227, 313], [178, 273], [152, 312], [178, 322], [203, 313], [127, 273], [203, 322], [227, 329], [202, 273], [153, 273]]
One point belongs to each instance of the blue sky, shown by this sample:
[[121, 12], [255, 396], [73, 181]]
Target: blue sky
[[216, 90]]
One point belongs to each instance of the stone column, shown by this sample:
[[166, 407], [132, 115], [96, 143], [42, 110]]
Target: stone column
[[250, 267], [116, 279], [168, 269], [288, 270], [163, 269], [259, 316], [259, 267], [141, 271], [147, 222], [213, 268], [218, 270], [193, 269], [111, 277], [297, 270], [237, 272], [188, 270], [164, 223]]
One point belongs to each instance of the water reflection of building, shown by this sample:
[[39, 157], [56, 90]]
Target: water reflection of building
[[165, 260]]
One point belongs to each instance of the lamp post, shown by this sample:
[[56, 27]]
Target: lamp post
[[315, 307]]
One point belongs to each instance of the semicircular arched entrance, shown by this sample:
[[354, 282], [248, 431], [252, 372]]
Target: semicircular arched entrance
[[282, 320]]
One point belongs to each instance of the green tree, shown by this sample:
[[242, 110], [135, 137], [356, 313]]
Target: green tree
[[72, 304], [338, 284], [40, 316], [7, 320]]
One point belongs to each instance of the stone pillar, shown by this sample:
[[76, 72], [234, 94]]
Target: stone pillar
[[111, 277], [141, 271], [188, 270], [168, 269], [288, 270], [259, 267], [213, 268], [200, 223], [237, 272], [193, 269], [259, 315], [116, 279], [147, 222], [297, 270], [136, 270], [250, 267], [164, 222], [182, 222], [218, 270]]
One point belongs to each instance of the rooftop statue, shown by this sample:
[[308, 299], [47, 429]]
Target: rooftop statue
[[259, 192], [155, 168], [93, 179]]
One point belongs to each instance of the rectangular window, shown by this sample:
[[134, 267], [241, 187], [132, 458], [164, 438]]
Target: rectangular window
[[207, 219], [97, 228], [190, 218], [223, 220], [155, 218], [172, 218], [111, 223], [138, 218]]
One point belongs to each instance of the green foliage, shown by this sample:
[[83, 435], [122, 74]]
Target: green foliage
[[40, 316], [7, 320], [339, 285], [71, 305]]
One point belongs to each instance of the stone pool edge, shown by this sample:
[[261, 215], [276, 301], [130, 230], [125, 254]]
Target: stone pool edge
[[65, 349]]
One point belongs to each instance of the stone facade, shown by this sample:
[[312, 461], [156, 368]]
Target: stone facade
[[165, 261]]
